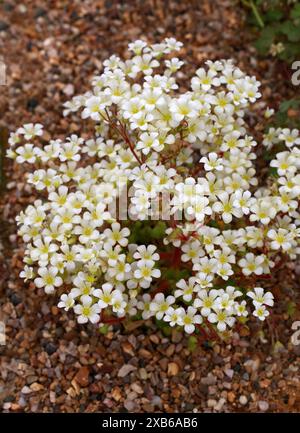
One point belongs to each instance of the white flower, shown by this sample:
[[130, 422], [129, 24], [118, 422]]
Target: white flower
[[259, 297], [251, 264], [160, 305], [121, 270], [206, 301], [205, 79], [291, 138], [212, 162], [87, 312], [118, 303], [172, 45], [26, 153], [105, 295], [284, 163], [137, 46], [189, 318], [149, 141], [27, 273], [146, 273], [226, 207], [48, 279], [261, 312], [30, 130], [222, 318], [242, 200], [280, 239], [224, 302], [174, 316], [66, 302], [144, 305], [117, 235], [192, 251], [147, 254], [183, 107], [145, 63], [263, 211], [186, 290], [174, 64]]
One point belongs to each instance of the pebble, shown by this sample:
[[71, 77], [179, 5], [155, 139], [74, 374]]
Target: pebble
[[220, 404], [173, 369], [263, 405], [231, 397], [229, 372], [50, 348], [26, 390], [243, 400], [126, 369], [211, 403], [3, 26], [130, 405], [82, 376], [209, 380]]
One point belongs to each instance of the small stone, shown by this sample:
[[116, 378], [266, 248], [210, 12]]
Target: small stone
[[173, 369], [3, 26], [265, 383], [68, 90], [209, 380], [26, 390], [231, 397], [9, 399], [32, 103], [154, 338], [50, 348], [229, 372], [36, 387], [127, 348], [129, 405], [170, 350], [137, 388], [15, 299], [252, 365], [54, 310], [211, 403], [126, 369], [116, 393], [143, 373], [263, 405], [40, 12], [220, 404], [156, 401], [243, 400], [82, 376]]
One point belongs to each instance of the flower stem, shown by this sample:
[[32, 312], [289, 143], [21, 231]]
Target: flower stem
[[250, 4]]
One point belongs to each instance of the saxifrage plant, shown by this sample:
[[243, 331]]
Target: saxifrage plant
[[157, 210]]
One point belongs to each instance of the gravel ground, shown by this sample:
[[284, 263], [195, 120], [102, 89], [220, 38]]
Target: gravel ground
[[50, 364]]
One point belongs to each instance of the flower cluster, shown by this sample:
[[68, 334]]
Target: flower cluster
[[159, 153]]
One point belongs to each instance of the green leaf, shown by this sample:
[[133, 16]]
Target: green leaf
[[273, 172], [265, 40], [291, 308], [273, 15], [295, 12], [192, 343], [158, 232], [291, 31], [104, 329]]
